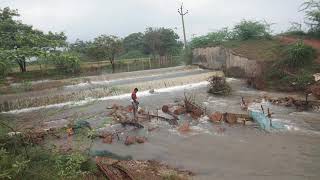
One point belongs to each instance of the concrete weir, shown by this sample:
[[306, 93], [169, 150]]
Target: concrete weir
[[220, 58]]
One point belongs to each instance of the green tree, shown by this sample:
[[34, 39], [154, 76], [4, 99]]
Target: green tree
[[83, 48], [161, 41], [251, 30], [23, 42], [107, 47], [133, 42], [312, 10]]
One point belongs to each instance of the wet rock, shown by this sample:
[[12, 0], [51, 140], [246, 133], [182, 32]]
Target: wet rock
[[130, 140], [179, 111], [231, 118], [108, 139], [216, 117], [184, 128], [140, 140], [151, 91], [196, 113], [165, 109]]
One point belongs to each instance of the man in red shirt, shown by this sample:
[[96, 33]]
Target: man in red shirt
[[135, 103]]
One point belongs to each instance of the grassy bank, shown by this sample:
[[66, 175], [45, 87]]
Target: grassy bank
[[277, 55]]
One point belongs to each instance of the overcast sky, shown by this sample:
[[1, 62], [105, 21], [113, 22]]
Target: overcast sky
[[86, 19]]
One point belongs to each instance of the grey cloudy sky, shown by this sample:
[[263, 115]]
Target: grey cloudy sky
[[85, 19]]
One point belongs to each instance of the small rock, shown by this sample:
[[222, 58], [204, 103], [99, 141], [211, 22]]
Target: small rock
[[165, 109], [249, 123], [107, 139], [130, 140], [151, 91], [231, 118], [216, 117], [140, 140]]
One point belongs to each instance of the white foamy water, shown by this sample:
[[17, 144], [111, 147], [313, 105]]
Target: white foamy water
[[122, 96], [107, 82]]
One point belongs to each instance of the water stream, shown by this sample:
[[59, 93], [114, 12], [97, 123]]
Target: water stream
[[212, 151]]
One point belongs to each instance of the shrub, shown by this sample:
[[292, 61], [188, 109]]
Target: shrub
[[299, 55], [251, 30], [219, 86], [186, 56], [4, 64], [299, 82], [69, 166], [212, 38], [11, 165], [67, 62]]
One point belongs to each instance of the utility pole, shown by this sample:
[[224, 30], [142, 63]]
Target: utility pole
[[182, 14]]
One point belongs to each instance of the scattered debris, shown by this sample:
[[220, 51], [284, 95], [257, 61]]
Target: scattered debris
[[191, 107], [179, 111], [291, 102], [166, 110], [132, 169]]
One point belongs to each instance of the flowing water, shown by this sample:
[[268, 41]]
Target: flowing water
[[212, 151]]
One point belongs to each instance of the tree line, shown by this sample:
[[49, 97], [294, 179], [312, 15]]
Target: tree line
[[22, 44]]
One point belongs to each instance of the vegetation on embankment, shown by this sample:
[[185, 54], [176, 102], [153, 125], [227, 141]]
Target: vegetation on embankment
[[24, 156], [287, 66]]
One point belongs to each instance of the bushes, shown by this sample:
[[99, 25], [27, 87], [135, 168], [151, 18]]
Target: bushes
[[67, 62], [251, 30], [299, 55], [69, 166], [245, 30], [212, 38], [219, 86]]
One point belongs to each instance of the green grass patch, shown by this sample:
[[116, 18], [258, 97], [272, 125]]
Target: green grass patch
[[257, 49]]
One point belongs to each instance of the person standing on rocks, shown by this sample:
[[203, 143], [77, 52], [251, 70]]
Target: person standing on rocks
[[135, 103]]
